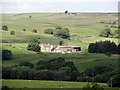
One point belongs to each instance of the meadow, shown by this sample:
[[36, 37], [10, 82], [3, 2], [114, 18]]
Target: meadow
[[83, 28], [45, 84]]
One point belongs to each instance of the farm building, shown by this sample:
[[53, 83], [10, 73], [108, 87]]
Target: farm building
[[59, 49]]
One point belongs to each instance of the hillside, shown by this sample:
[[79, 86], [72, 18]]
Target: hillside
[[83, 28]]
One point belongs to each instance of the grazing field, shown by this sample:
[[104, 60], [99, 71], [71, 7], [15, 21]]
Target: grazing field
[[83, 29], [83, 25], [82, 60], [45, 84]]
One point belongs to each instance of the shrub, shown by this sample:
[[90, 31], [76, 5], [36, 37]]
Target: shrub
[[4, 27], [12, 32], [24, 30], [6, 55], [34, 30], [106, 32], [48, 31], [25, 63]]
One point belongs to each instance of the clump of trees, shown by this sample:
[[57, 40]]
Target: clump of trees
[[6, 55], [58, 32], [5, 27], [106, 32], [12, 32], [54, 69], [103, 47], [62, 33], [34, 45]]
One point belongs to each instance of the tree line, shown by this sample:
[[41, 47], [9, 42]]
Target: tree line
[[104, 47], [60, 70]]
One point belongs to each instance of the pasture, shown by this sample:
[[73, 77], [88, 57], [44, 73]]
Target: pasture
[[83, 28], [45, 84]]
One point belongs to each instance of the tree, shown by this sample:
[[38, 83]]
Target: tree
[[62, 33], [118, 49], [106, 32], [66, 12], [34, 45], [4, 27], [114, 81], [61, 43], [102, 47], [12, 32], [6, 55]]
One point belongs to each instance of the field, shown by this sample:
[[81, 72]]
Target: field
[[83, 30], [45, 84]]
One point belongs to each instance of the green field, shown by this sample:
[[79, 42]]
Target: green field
[[83, 30], [82, 24], [45, 84]]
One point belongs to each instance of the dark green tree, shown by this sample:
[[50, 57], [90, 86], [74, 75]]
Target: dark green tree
[[62, 33], [34, 45], [106, 32], [4, 27], [61, 43], [12, 32], [6, 55]]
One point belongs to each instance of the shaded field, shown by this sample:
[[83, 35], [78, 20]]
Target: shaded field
[[45, 84]]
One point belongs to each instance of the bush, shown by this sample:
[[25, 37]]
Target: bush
[[6, 55], [105, 33], [116, 34], [12, 32], [34, 30], [25, 63], [24, 30], [61, 43], [34, 46], [4, 27], [92, 86], [48, 31]]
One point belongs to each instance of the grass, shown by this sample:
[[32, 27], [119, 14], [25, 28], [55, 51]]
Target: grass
[[82, 60], [45, 84], [82, 24], [83, 30]]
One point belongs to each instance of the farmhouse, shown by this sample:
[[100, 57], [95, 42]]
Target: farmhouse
[[59, 49]]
